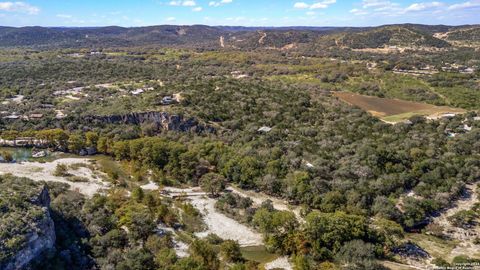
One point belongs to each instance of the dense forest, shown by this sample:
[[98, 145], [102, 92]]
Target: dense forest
[[259, 117]]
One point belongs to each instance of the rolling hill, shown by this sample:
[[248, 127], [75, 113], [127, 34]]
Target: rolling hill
[[391, 36], [201, 36]]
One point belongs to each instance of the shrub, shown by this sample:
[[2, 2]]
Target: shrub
[[61, 170]]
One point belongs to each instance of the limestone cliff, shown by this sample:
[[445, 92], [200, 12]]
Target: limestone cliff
[[163, 120], [26, 226]]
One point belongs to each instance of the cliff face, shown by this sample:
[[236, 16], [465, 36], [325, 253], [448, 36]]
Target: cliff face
[[163, 120], [27, 225], [37, 242]]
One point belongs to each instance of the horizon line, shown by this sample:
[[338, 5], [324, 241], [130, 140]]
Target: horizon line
[[242, 26]]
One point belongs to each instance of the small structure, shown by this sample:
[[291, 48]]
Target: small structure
[[238, 74], [47, 106], [137, 92], [451, 134], [39, 154], [167, 100], [467, 127], [177, 97], [265, 129], [13, 116], [60, 114], [448, 115], [73, 91], [36, 116], [468, 71]]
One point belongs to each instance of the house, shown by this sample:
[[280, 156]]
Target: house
[[137, 92], [13, 116], [468, 71], [36, 116], [451, 134], [264, 129], [60, 114], [238, 75], [448, 115], [177, 97], [167, 100], [47, 106], [467, 127], [17, 98]]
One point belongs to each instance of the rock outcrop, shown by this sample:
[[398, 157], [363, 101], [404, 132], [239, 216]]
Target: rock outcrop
[[38, 230], [163, 120]]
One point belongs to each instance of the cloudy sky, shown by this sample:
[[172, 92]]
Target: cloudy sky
[[237, 12]]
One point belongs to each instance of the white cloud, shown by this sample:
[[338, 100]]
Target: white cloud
[[358, 12], [301, 5], [197, 9], [465, 5], [64, 16], [376, 3], [21, 7], [379, 7], [183, 3], [219, 3], [423, 6], [189, 3], [317, 5], [170, 19]]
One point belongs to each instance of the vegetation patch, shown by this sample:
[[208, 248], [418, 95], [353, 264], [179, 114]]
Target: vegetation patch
[[393, 109]]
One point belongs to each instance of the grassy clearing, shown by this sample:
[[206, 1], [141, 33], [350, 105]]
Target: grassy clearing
[[401, 117], [461, 96], [112, 168], [390, 85], [393, 110], [396, 266], [436, 247]]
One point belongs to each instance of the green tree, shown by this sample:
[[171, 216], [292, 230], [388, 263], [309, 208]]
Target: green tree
[[76, 142], [329, 231], [137, 260], [230, 250], [212, 183], [61, 170], [138, 194], [138, 219], [205, 254], [357, 254], [91, 139]]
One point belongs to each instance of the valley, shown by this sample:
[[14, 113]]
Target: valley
[[208, 148]]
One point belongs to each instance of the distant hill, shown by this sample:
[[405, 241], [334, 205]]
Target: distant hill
[[465, 34], [391, 36], [201, 36], [107, 36]]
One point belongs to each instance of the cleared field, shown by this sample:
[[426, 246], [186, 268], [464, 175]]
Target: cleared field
[[394, 110]]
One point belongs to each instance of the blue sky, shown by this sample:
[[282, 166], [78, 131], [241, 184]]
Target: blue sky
[[237, 12]]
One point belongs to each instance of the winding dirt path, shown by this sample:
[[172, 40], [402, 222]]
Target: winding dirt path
[[217, 223], [259, 198], [465, 237]]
